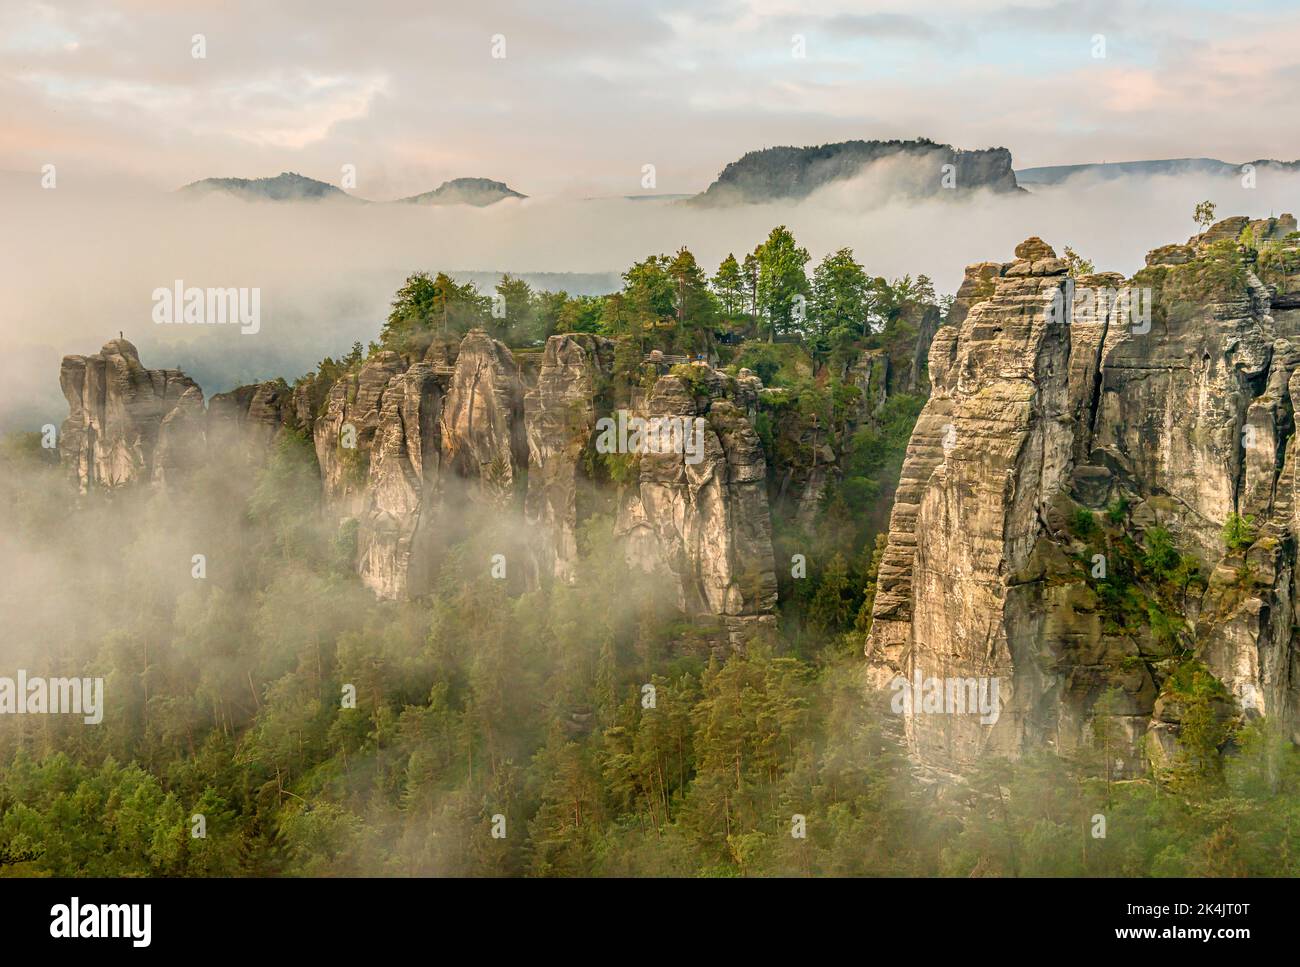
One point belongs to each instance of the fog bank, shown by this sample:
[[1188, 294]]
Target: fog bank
[[78, 265]]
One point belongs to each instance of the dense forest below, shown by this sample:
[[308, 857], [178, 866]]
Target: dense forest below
[[581, 729]]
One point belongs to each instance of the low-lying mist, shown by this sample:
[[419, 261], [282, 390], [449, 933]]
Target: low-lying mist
[[79, 264]]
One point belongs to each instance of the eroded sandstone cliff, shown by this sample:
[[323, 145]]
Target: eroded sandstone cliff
[[129, 424], [707, 522], [413, 454], [1060, 523]]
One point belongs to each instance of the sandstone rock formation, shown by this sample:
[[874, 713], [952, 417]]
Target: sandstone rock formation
[[396, 536], [116, 411], [247, 420], [344, 432], [459, 431], [127, 424], [560, 415], [412, 453], [482, 430], [707, 523], [1040, 420]]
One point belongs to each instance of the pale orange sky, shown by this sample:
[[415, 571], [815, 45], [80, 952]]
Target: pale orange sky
[[587, 93]]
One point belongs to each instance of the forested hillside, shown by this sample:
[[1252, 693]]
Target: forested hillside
[[573, 718]]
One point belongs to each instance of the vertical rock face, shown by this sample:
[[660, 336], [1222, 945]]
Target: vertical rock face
[[1172, 421], [396, 535], [379, 444], [116, 410], [128, 424], [990, 448], [249, 419], [400, 446], [182, 440], [1174, 400], [406, 450], [483, 435], [559, 418], [706, 523], [344, 432]]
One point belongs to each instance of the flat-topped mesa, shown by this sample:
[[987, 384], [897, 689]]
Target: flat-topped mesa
[[921, 168], [1165, 401]]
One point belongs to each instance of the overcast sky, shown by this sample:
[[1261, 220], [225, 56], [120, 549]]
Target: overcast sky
[[588, 92]]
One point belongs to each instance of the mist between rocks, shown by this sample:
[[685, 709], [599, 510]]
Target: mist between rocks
[[79, 265]]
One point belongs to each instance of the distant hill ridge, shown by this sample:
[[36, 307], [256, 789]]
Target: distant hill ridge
[[1055, 174], [465, 191], [286, 186], [791, 173], [291, 186]]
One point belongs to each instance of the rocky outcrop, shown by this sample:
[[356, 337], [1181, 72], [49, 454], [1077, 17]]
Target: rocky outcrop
[[1165, 401], [990, 448], [414, 454], [344, 432], [116, 411], [400, 447], [397, 546], [182, 441], [560, 415], [705, 522], [483, 436], [977, 286], [247, 421], [127, 424], [458, 431]]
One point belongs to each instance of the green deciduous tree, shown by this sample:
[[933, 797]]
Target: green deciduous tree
[[782, 287]]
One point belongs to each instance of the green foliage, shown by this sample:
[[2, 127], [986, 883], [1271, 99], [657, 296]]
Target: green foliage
[[781, 281], [764, 360], [1117, 512], [582, 313], [1084, 523], [695, 378], [1238, 532], [1142, 586], [1204, 214], [425, 305], [1199, 698], [841, 294], [1161, 558], [729, 284], [487, 697], [1077, 264], [519, 325]]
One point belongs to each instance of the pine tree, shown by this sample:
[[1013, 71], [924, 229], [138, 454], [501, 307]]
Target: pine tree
[[729, 284], [781, 281]]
